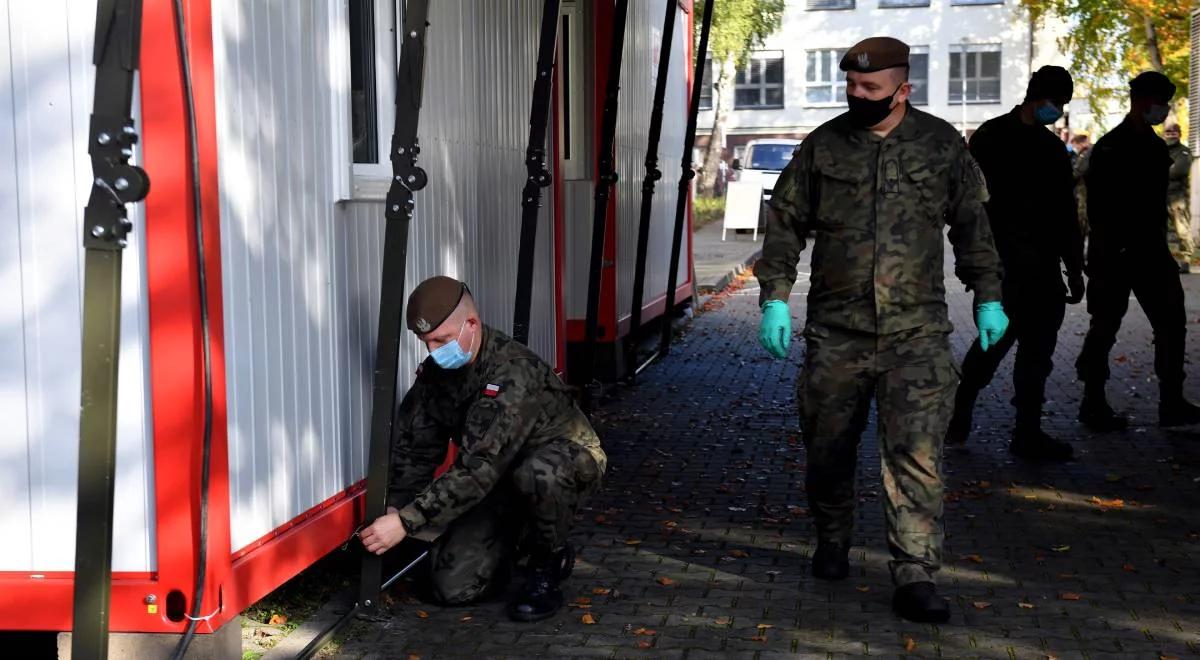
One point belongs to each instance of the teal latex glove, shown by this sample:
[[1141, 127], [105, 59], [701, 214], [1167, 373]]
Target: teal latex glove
[[775, 332], [992, 322]]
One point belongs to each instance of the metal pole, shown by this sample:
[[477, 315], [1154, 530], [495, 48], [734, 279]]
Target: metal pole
[[406, 179], [537, 176], [685, 177], [605, 179], [653, 174]]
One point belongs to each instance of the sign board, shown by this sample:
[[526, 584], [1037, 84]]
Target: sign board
[[743, 206]]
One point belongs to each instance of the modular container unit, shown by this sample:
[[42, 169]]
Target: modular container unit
[[639, 68], [294, 117]]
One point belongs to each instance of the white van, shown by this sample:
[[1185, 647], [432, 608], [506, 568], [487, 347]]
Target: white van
[[762, 161]]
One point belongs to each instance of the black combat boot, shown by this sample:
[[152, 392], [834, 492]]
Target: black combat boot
[[1031, 443], [541, 597], [920, 602], [964, 410], [1174, 410], [831, 561], [1096, 414]]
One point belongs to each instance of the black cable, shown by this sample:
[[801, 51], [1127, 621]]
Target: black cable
[[194, 145]]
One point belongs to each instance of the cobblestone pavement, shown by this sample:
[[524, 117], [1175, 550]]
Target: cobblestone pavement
[[698, 546]]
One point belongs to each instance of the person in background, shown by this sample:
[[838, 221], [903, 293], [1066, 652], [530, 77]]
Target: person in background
[[1081, 153], [1127, 252], [1032, 213], [1179, 224]]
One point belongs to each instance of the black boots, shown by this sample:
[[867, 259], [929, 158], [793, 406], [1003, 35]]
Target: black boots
[[831, 561], [541, 597], [1096, 414], [1174, 410], [961, 422], [1031, 443], [920, 602]]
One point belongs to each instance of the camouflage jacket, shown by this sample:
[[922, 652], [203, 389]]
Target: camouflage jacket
[[505, 403], [1181, 166], [877, 207]]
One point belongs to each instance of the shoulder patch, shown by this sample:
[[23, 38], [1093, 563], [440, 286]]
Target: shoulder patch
[[975, 172], [491, 390]]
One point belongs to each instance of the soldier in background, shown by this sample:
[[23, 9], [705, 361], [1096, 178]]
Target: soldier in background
[[878, 185], [527, 458], [1127, 252], [1081, 155], [1179, 226], [1032, 213]]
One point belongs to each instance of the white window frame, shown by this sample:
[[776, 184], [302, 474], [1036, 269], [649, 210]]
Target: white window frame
[[575, 164], [761, 56], [363, 181], [921, 50], [708, 74], [838, 82], [957, 50]]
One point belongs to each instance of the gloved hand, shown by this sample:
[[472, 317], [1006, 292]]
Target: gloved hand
[[1077, 287], [775, 331], [991, 321]]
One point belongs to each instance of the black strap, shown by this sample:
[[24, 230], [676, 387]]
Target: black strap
[[685, 177], [406, 178], [605, 179], [111, 137], [653, 174], [537, 176]]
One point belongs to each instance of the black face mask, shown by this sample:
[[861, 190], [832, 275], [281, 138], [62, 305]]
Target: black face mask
[[866, 113]]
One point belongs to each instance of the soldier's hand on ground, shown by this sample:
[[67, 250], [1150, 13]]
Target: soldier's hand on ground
[[992, 323], [385, 533], [775, 331], [1077, 287]]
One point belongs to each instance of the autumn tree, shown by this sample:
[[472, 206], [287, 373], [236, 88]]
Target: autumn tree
[[1111, 41], [738, 27]]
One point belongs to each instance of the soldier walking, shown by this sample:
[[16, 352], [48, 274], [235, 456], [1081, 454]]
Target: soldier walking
[[1032, 211], [1179, 225], [878, 185], [1127, 252], [527, 459]]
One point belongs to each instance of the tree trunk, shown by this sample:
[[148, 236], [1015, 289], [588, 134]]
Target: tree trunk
[[723, 85], [1152, 50]]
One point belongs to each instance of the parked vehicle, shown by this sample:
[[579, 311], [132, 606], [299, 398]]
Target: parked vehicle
[[763, 161]]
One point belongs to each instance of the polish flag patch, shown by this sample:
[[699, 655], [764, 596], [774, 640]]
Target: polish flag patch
[[491, 391]]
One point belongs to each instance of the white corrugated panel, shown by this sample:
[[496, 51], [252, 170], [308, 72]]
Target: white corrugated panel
[[302, 271], [46, 81]]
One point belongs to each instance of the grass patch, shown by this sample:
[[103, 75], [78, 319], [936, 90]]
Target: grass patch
[[706, 210]]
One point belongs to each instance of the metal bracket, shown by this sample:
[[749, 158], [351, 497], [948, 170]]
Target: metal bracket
[[116, 182]]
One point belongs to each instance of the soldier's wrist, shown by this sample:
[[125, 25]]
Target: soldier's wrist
[[772, 303]]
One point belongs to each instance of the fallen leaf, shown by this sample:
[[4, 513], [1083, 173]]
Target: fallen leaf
[[863, 588], [633, 542], [601, 591], [981, 605], [601, 519], [645, 644], [1068, 595], [645, 631], [1051, 657], [666, 581], [277, 620], [909, 644], [465, 619], [1128, 568], [722, 621], [1025, 606], [1108, 504], [985, 484], [588, 619], [1167, 657], [422, 614], [740, 554], [413, 656], [1061, 548], [764, 626], [978, 559]]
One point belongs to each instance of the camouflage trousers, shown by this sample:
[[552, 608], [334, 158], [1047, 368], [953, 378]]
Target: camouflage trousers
[[1179, 230], [911, 376], [532, 507]]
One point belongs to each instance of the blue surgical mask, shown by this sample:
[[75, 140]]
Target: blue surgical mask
[[451, 355], [1047, 113]]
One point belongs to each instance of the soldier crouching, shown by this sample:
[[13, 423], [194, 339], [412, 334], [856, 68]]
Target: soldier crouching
[[527, 459]]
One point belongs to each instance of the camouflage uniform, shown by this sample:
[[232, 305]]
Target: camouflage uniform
[[1179, 226], [877, 322], [527, 458]]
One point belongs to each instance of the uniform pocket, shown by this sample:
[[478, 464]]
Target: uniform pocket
[[842, 195]]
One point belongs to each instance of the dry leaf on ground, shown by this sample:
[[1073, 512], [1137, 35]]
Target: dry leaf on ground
[[644, 631], [863, 588], [588, 619], [601, 591], [1069, 595], [909, 644], [722, 620], [277, 620], [1025, 606], [981, 605], [665, 581], [978, 559], [645, 644], [422, 614]]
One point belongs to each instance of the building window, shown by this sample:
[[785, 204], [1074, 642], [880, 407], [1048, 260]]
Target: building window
[[975, 73], [759, 84], [918, 75], [364, 120], [706, 87], [890, 4], [824, 82], [976, 2], [365, 111], [818, 5]]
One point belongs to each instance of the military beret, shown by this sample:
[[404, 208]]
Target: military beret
[[1050, 82], [1152, 84], [875, 54], [432, 302]]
